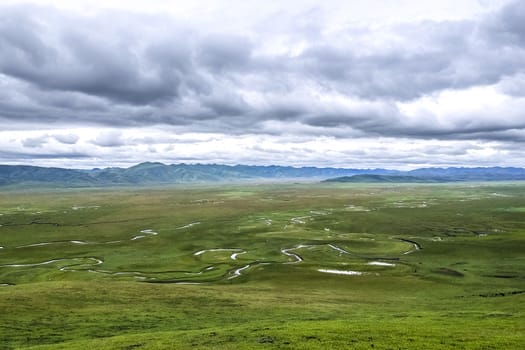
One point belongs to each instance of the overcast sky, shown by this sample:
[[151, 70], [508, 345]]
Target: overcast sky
[[379, 83]]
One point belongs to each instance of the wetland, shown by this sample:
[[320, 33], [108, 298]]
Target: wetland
[[289, 266]]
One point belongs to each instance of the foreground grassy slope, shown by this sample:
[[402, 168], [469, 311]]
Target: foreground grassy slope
[[427, 266]]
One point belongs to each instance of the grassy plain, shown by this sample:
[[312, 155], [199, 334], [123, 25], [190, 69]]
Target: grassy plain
[[304, 266]]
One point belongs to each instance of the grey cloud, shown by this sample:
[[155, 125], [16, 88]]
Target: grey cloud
[[288, 108], [513, 86], [111, 138], [84, 58], [222, 53], [423, 58], [367, 117], [508, 26], [456, 149], [35, 142], [68, 139], [497, 130], [19, 40], [510, 135], [226, 103], [119, 70]]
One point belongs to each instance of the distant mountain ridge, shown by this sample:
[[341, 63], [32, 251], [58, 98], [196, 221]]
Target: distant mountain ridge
[[150, 173]]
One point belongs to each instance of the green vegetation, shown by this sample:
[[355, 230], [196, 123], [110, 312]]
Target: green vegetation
[[371, 178], [323, 266]]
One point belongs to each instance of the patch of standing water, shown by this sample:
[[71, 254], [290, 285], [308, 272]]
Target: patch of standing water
[[78, 242], [414, 245], [70, 267], [341, 272], [200, 252], [299, 220], [64, 268], [292, 255], [319, 212], [401, 204], [500, 195], [352, 207], [237, 272], [340, 250], [147, 232], [33, 264], [298, 258], [380, 263], [234, 255], [188, 225], [36, 244], [78, 207], [48, 243]]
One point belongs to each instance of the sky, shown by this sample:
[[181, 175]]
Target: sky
[[397, 84]]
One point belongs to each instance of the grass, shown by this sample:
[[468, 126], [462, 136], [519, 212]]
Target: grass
[[108, 289]]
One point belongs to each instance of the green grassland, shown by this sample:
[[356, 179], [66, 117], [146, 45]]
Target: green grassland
[[296, 266]]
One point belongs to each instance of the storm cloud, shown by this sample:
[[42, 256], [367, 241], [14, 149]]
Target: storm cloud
[[440, 79]]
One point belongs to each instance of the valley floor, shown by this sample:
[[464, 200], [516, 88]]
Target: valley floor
[[314, 266]]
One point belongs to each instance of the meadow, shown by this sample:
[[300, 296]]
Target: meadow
[[256, 266]]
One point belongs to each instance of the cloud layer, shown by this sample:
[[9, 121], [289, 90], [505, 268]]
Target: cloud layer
[[284, 76]]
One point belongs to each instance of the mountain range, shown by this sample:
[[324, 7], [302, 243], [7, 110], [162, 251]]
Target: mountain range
[[150, 173]]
